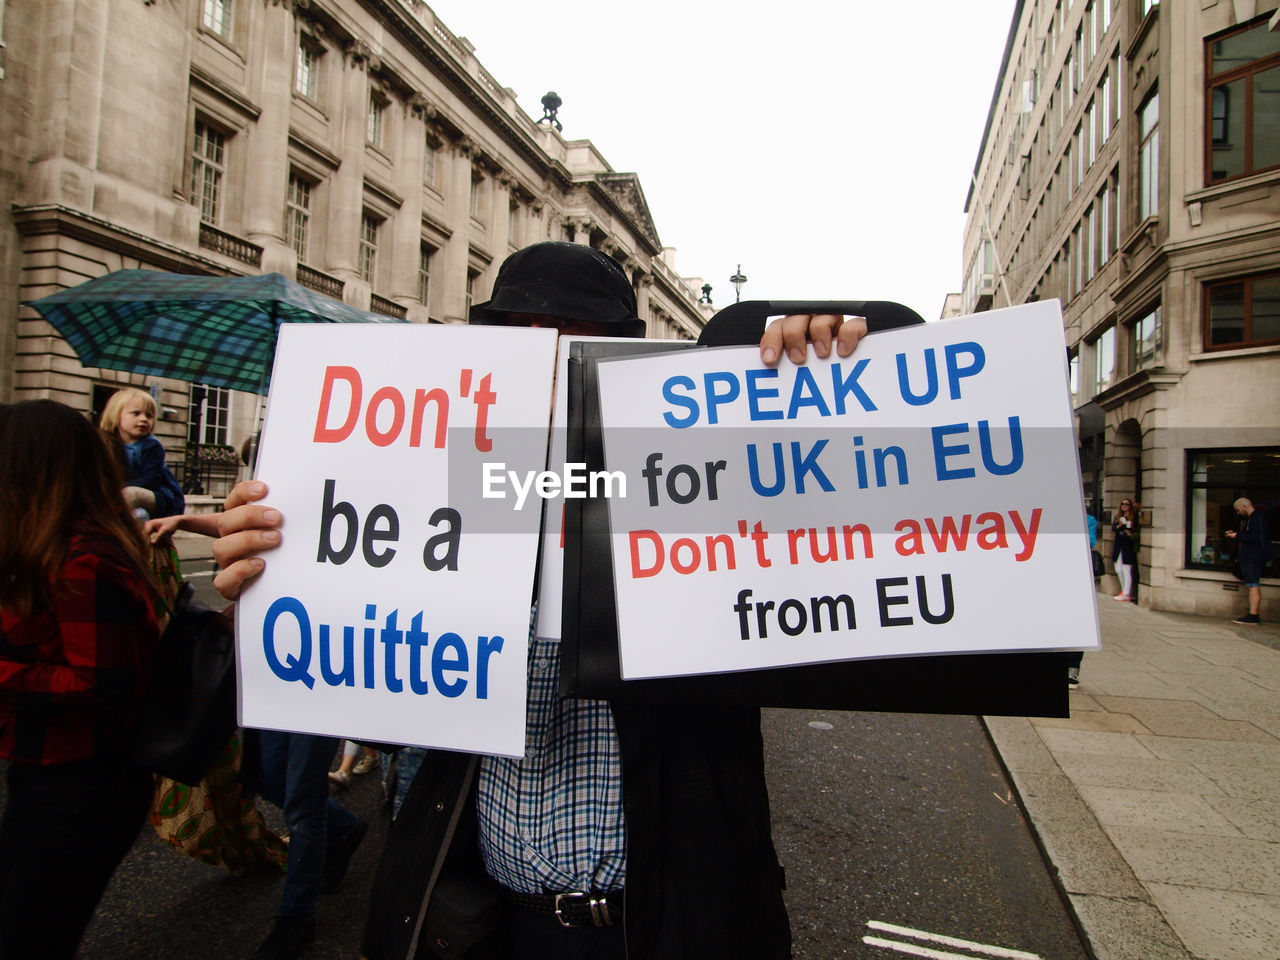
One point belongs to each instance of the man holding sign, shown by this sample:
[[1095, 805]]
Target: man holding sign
[[661, 816]]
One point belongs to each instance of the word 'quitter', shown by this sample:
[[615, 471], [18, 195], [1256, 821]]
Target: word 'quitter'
[[447, 663]]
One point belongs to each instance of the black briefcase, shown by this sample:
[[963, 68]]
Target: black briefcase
[[995, 684]]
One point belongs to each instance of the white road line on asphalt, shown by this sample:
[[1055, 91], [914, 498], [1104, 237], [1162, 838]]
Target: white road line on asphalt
[[985, 949], [916, 950]]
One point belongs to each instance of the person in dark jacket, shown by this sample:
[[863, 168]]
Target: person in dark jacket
[[627, 830], [1253, 553]]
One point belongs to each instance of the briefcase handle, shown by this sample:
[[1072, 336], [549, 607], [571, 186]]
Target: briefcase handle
[[743, 323]]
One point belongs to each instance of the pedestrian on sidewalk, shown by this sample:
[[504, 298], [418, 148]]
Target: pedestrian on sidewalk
[[1253, 552], [1124, 551]]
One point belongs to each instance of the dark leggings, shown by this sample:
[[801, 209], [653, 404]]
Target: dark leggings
[[65, 828]]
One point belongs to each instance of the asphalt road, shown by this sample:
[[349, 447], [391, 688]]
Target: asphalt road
[[884, 822]]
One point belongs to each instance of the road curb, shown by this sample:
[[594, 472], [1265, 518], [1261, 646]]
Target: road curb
[[1112, 910]]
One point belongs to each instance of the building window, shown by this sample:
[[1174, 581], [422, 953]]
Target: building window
[[1149, 157], [475, 205], [1104, 360], [424, 274], [377, 120], [1241, 313], [208, 414], [430, 156], [1077, 262], [208, 166], [368, 247], [1073, 376], [1242, 100], [297, 216], [306, 75], [1086, 240], [1145, 334], [471, 292], [513, 224], [1216, 479], [215, 15]]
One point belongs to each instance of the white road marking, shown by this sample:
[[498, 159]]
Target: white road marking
[[916, 950], [984, 949]]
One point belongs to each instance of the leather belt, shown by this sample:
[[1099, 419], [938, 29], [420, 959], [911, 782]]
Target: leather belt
[[594, 909]]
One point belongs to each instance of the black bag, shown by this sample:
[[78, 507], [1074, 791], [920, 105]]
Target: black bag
[[189, 710], [1237, 570], [464, 911], [1099, 567], [993, 684]]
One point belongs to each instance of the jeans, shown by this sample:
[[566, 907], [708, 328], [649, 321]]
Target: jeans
[[295, 777], [66, 827]]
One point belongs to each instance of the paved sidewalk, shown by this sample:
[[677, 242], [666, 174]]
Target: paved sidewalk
[[1158, 802]]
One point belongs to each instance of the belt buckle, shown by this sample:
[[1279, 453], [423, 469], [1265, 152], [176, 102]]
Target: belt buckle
[[599, 909]]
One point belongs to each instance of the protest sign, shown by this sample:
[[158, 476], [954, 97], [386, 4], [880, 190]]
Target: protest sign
[[397, 607], [920, 497]]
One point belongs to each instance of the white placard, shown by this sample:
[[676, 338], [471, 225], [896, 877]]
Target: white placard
[[919, 497], [397, 607]]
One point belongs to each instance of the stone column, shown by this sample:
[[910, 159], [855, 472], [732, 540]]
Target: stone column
[[267, 153], [346, 191], [458, 215], [407, 236], [499, 224], [644, 283]]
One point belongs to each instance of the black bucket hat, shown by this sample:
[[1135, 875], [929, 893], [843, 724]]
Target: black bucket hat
[[561, 279]]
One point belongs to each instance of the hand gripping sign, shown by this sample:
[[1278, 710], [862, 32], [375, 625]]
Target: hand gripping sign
[[397, 607], [920, 497]]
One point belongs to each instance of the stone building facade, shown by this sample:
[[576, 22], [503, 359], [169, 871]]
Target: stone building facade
[[1130, 167], [357, 146]]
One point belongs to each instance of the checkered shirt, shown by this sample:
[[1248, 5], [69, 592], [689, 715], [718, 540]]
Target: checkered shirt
[[553, 821]]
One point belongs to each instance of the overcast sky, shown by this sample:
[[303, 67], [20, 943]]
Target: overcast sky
[[825, 147]]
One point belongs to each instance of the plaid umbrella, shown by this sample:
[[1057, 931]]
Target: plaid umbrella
[[215, 330]]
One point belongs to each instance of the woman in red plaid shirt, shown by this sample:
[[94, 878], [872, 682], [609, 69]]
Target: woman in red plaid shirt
[[77, 634]]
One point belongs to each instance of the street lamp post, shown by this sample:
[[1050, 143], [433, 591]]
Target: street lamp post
[[738, 279]]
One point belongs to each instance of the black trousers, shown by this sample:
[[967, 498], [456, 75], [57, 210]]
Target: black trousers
[[65, 829]]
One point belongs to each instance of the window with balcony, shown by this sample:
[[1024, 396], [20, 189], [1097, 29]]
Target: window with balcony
[[208, 169], [1149, 157], [208, 414], [297, 215], [215, 16], [1216, 479], [1145, 345], [368, 252], [1242, 102], [1242, 312]]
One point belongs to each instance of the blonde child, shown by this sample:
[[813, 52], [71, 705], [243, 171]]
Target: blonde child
[[129, 417]]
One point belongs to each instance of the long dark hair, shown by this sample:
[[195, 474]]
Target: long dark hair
[[57, 471]]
